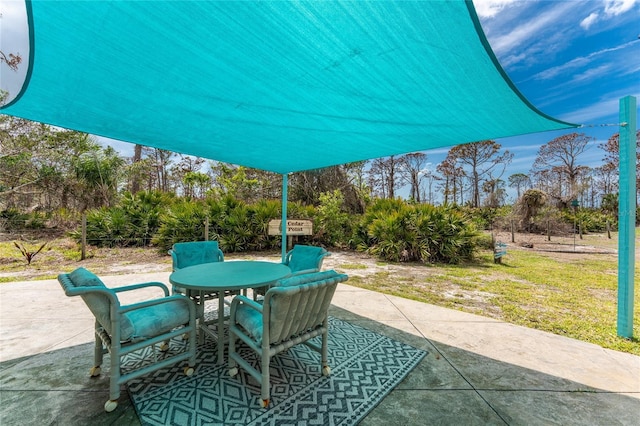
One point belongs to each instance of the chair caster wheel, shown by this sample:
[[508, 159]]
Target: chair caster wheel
[[326, 370], [264, 403], [95, 371], [110, 405], [233, 372], [188, 371]]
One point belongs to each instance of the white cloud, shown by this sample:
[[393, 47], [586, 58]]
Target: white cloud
[[612, 8], [618, 7], [579, 62], [490, 8], [534, 28], [591, 73], [589, 20], [595, 113]]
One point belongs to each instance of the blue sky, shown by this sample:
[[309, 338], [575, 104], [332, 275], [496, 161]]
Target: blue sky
[[572, 59]]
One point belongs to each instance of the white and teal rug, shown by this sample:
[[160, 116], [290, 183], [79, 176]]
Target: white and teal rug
[[365, 367]]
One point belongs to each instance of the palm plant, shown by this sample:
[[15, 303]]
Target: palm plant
[[183, 221]]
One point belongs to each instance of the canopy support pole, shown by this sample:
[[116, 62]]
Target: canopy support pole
[[283, 224], [627, 215]]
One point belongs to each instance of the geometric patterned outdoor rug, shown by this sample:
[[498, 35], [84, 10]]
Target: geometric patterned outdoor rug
[[365, 367]]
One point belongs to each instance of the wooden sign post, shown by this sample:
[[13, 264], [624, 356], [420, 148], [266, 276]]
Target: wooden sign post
[[294, 227]]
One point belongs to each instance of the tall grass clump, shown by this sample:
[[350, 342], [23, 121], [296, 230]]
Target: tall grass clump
[[236, 225], [184, 220], [133, 222], [397, 231]]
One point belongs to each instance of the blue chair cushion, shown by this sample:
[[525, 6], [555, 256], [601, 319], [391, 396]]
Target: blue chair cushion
[[98, 303], [305, 257], [195, 253], [154, 320], [251, 321]]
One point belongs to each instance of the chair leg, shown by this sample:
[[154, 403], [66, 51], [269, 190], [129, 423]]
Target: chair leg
[[232, 350], [114, 377], [324, 354], [98, 352], [264, 386]]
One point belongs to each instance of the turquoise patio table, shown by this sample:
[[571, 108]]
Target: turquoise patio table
[[225, 276]]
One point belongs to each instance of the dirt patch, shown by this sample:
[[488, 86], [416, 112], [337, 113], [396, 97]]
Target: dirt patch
[[62, 255], [563, 247]]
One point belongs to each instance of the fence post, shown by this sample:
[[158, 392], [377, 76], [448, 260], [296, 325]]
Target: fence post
[[548, 230], [513, 235], [83, 243]]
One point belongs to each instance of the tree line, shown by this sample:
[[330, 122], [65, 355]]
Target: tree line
[[45, 168]]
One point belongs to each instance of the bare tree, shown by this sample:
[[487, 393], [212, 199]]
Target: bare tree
[[481, 161], [161, 160], [496, 194], [612, 157], [411, 167], [561, 156], [451, 175], [384, 176], [519, 181], [12, 60], [606, 179]]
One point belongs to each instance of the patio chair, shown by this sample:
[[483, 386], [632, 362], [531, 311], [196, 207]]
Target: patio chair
[[123, 329], [301, 260], [196, 253], [293, 311]]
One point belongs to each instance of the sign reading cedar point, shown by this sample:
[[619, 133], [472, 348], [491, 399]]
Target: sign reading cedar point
[[294, 227]]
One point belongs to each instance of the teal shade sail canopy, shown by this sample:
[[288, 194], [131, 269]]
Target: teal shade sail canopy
[[282, 86]]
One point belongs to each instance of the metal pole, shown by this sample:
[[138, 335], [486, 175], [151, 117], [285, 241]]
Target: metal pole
[[285, 182], [627, 215], [574, 204]]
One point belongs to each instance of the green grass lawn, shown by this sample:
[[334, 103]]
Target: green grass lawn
[[572, 297]]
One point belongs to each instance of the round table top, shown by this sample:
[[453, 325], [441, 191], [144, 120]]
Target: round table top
[[232, 275]]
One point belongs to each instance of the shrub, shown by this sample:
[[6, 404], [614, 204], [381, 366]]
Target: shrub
[[182, 221], [400, 232], [449, 237], [14, 220], [589, 220], [132, 223], [333, 224]]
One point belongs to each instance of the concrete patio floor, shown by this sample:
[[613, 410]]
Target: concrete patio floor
[[478, 371]]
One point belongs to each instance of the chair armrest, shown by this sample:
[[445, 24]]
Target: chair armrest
[[153, 302], [174, 260], [246, 301], [80, 291], [305, 271], [142, 285]]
